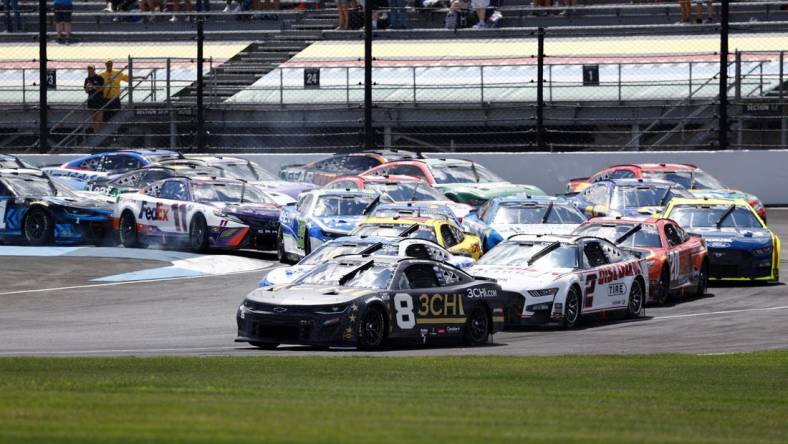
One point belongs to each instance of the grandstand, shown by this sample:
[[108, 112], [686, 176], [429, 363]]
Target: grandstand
[[654, 84]]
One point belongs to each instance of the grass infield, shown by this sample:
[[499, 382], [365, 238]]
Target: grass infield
[[656, 398]]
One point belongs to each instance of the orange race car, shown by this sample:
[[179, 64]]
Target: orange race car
[[677, 261]]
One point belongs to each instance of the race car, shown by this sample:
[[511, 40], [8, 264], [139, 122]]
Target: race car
[[320, 216], [460, 180], [39, 211], [238, 168], [692, 178], [401, 189], [559, 279], [365, 302], [502, 217], [416, 209], [677, 262], [132, 181], [199, 212], [740, 246], [638, 198], [365, 245], [441, 231], [112, 163], [323, 171]]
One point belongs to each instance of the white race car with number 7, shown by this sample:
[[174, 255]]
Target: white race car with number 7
[[559, 279]]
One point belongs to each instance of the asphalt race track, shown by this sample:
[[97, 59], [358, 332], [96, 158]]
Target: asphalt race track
[[54, 305]]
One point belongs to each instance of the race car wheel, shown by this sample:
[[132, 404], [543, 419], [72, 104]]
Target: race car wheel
[[307, 246], [703, 280], [477, 327], [635, 304], [264, 345], [571, 308], [198, 233], [39, 227], [129, 237], [371, 329], [281, 255], [664, 287]]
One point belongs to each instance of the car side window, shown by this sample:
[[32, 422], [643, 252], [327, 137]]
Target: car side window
[[682, 234], [447, 276], [612, 254], [408, 170], [621, 174], [129, 180], [345, 184], [421, 276], [121, 162], [672, 235], [91, 163], [458, 234], [598, 195], [360, 163], [448, 236], [174, 190], [594, 255], [303, 203]]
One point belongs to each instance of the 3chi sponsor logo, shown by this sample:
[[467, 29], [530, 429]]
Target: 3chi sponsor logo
[[481, 293]]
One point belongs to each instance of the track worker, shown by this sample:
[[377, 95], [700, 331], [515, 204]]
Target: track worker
[[112, 79]]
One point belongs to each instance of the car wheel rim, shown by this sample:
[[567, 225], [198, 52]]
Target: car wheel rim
[[571, 308], [478, 326], [373, 328], [128, 228], [663, 289], [37, 226], [197, 234], [635, 298]]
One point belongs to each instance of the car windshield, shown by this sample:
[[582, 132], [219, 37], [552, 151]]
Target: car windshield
[[240, 170], [388, 230], [644, 196], [518, 253], [408, 191], [462, 173], [695, 180], [334, 206], [228, 192], [647, 236], [32, 186], [331, 250], [708, 216], [329, 273], [534, 214]]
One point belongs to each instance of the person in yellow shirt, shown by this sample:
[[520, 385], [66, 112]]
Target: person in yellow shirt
[[112, 88]]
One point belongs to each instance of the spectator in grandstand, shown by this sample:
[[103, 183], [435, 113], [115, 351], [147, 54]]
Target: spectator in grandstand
[[343, 19], [375, 5], [12, 6], [112, 79], [569, 4], [176, 7], [119, 5], [149, 6], [94, 87], [542, 4], [398, 14], [686, 11], [480, 6], [63, 20]]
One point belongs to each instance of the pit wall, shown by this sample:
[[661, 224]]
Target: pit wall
[[763, 173]]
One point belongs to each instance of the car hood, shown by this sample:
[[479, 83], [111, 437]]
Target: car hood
[[98, 205], [515, 277], [488, 190], [262, 211], [344, 224], [726, 237], [307, 295], [284, 275], [506, 230]]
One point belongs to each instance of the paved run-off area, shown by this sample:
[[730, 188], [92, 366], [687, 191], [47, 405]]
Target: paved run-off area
[[76, 305]]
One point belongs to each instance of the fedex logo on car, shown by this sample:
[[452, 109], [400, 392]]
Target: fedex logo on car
[[153, 213]]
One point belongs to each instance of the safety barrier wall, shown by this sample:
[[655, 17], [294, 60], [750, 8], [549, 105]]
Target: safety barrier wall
[[763, 173]]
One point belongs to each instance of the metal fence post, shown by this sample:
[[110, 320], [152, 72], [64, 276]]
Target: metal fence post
[[43, 125], [540, 139], [200, 59], [414, 85], [169, 79], [369, 139], [723, 106], [619, 82], [481, 69], [281, 88], [131, 81], [784, 123], [24, 88], [690, 80], [738, 78]]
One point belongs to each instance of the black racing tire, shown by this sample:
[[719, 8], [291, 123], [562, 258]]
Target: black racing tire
[[198, 234], [371, 329], [38, 227], [703, 280], [127, 231], [663, 297], [572, 308], [477, 327], [281, 255], [635, 301], [307, 244], [264, 345]]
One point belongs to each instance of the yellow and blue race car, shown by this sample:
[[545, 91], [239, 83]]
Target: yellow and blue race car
[[740, 246], [441, 231]]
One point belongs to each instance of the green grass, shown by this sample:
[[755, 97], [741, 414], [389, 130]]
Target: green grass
[[657, 398]]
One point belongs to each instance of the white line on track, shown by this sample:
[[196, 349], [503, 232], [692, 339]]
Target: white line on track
[[145, 281], [119, 351], [712, 313]]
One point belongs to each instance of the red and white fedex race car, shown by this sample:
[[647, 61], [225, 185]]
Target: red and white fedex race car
[[559, 279], [198, 212]]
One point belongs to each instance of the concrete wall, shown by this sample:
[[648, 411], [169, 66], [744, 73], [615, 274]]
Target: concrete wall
[[763, 173]]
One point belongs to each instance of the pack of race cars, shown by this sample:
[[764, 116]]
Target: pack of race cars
[[390, 245]]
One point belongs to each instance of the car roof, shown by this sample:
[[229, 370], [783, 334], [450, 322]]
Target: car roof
[[563, 238], [641, 182], [342, 193], [402, 220], [527, 198], [390, 179], [623, 220], [705, 201]]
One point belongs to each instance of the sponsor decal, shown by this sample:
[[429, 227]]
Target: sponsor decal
[[618, 289], [452, 329], [438, 305], [280, 309], [472, 293], [153, 213], [618, 271]]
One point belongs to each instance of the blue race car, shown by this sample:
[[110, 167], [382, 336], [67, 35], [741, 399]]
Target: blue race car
[[77, 172], [639, 198], [365, 245], [320, 216], [39, 211], [502, 217]]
